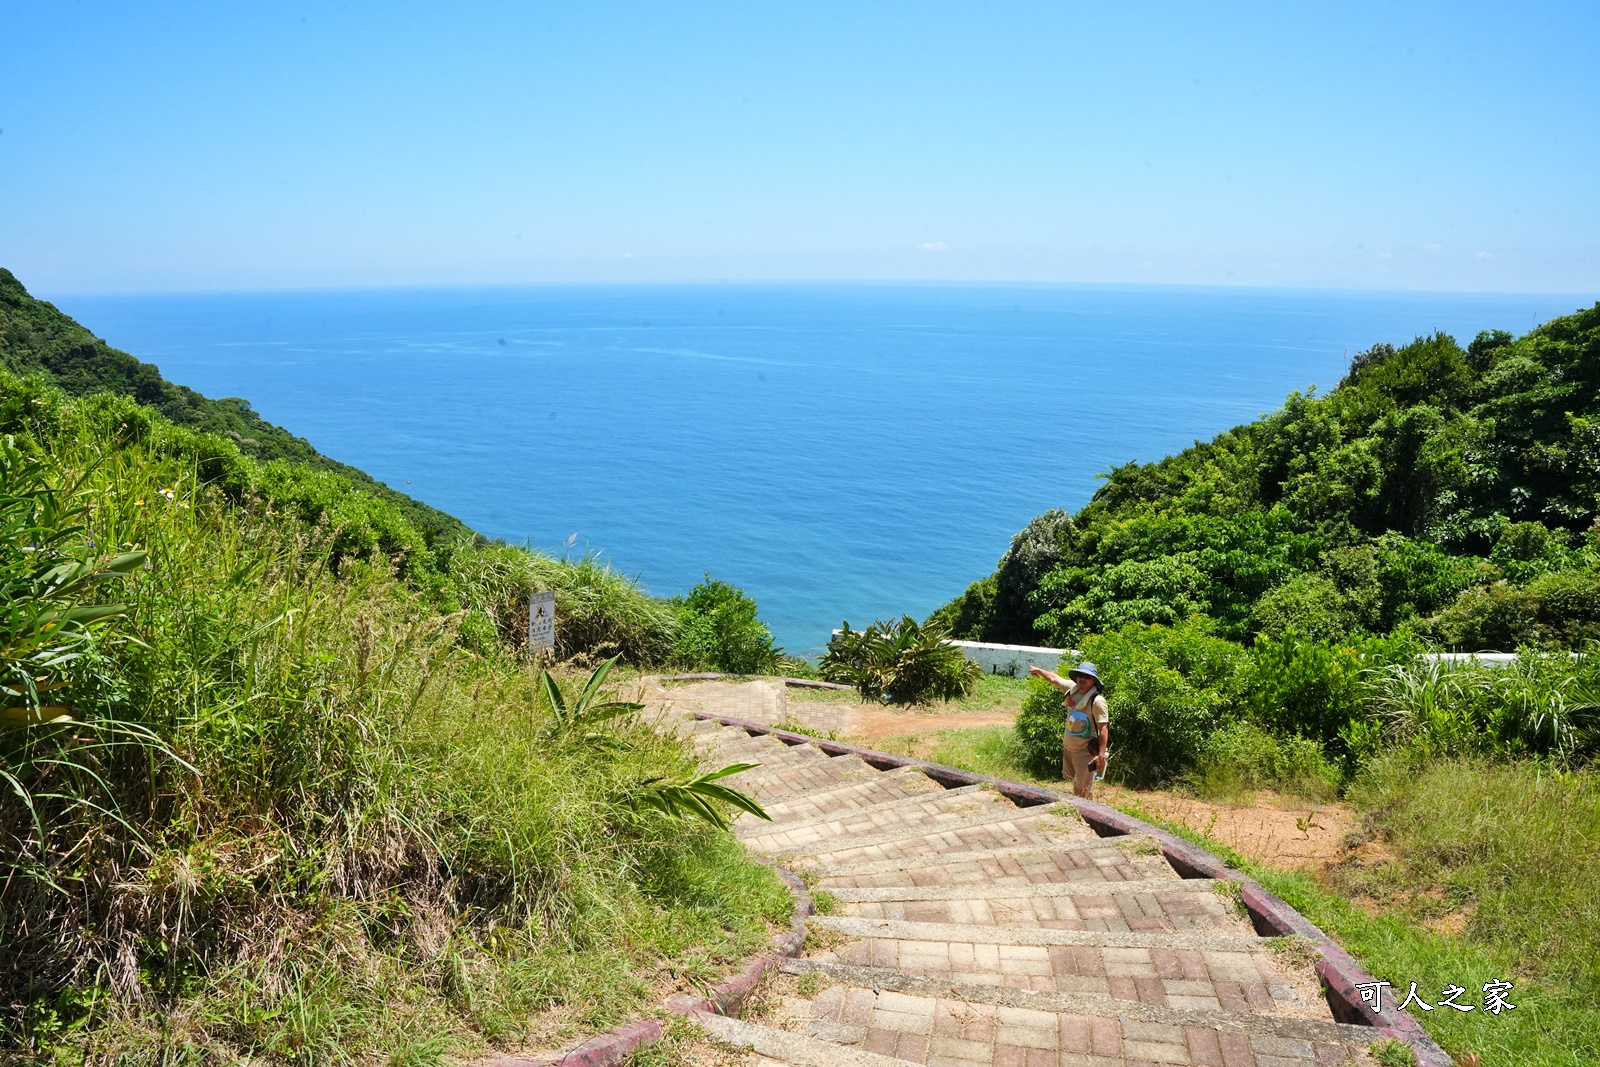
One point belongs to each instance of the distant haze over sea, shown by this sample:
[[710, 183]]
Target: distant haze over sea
[[839, 451]]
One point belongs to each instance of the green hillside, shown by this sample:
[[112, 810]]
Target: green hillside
[[1444, 491], [37, 339]]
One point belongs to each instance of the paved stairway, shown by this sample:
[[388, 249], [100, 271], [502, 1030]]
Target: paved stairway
[[968, 931]]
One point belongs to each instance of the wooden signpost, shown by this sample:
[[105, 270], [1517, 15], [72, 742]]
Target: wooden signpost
[[541, 622]]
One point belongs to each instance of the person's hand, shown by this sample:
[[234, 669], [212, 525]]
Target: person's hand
[[1035, 671]]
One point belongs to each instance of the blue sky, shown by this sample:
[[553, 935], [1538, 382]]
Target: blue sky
[[221, 146]]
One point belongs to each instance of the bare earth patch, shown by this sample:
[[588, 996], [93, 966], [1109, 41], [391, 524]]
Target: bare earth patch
[[1280, 831], [869, 722]]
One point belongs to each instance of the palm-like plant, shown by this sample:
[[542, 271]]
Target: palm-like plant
[[900, 661], [696, 797], [591, 707]]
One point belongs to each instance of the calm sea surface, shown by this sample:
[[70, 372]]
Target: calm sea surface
[[841, 452]]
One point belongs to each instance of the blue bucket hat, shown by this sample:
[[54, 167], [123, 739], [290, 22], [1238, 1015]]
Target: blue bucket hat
[[1084, 668]]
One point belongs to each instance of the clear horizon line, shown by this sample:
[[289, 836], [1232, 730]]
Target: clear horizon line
[[926, 283]]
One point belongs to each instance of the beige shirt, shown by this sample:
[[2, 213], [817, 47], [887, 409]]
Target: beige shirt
[[1083, 721]]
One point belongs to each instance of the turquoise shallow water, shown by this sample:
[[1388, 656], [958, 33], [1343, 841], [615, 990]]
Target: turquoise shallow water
[[841, 452]]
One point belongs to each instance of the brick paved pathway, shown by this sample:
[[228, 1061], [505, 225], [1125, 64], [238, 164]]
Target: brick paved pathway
[[970, 932]]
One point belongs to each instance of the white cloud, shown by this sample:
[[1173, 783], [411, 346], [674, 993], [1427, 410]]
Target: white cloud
[[1431, 246], [1485, 255], [933, 246]]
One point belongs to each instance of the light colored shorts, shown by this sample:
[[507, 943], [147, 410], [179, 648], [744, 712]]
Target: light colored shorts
[[1076, 765]]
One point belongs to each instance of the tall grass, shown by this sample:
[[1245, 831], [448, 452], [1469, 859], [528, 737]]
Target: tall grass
[[1516, 847], [602, 612], [1541, 704], [352, 839]]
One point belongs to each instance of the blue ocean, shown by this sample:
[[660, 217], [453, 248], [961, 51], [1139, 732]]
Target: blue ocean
[[839, 451]]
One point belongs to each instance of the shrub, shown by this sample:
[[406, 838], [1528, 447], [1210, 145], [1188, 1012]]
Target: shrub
[[900, 661], [1490, 618], [1298, 687], [718, 631], [1302, 686], [1242, 756], [1569, 605], [1307, 604], [1040, 726]]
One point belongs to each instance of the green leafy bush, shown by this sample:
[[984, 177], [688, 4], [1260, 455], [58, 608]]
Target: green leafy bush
[[1168, 689], [1497, 617], [1241, 756], [718, 631], [1307, 604], [1040, 726], [900, 661], [1314, 689], [1569, 605]]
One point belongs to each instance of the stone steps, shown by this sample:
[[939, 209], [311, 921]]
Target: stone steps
[[1001, 827], [966, 931], [916, 814], [1079, 859], [942, 1022], [1107, 910], [833, 797]]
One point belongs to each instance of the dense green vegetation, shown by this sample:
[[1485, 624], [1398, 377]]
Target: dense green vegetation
[[1439, 489], [277, 783], [1257, 601]]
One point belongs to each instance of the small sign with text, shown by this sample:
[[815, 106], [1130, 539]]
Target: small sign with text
[[541, 621]]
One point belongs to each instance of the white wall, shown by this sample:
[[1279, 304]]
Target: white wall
[[1014, 660]]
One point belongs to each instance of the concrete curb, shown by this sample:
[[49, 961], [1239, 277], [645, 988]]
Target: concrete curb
[[725, 998], [1271, 915]]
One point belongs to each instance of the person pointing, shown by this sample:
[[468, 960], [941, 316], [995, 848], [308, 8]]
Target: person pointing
[[1086, 742]]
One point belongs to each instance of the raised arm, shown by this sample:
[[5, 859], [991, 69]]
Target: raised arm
[[1063, 684]]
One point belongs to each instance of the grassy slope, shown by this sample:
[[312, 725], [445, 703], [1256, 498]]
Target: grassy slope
[[355, 837]]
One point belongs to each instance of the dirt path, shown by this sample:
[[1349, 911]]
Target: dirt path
[[867, 722], [1285, 832]]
